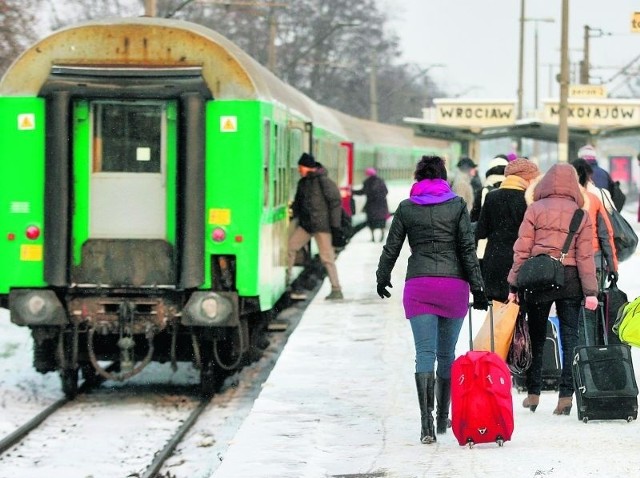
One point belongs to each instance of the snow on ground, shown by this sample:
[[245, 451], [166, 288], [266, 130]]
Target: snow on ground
[[340, 402]]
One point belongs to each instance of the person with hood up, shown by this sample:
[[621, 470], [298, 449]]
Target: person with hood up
[[317, 207], [499, 221], [443, 266], [376, 207], [543, 230]]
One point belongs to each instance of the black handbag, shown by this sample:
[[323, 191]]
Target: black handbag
[[624, 237], [520, 355], [543, 272]]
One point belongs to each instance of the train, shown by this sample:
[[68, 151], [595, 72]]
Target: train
[[147, 170]]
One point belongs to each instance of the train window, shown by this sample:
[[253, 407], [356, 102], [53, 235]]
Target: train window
[[265, 162], [127, 137], [280, 181]]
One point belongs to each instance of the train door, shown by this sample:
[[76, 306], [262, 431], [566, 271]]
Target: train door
[[124, 169], [128, 170], [345, 189]]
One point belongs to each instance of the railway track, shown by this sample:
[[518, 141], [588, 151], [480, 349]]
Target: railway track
[[52, 436]]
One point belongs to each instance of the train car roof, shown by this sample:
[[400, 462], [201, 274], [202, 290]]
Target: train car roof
[[151, 42], [380, 134]]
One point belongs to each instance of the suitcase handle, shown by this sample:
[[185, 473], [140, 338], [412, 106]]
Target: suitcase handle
[[602, 320]]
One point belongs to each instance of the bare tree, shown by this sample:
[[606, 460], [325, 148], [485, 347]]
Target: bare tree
[[18, 28], [332, 50]]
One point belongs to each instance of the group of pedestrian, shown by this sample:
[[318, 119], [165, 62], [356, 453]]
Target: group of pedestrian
[[520, 212]]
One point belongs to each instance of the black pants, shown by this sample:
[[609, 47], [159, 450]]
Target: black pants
[[568, 315]]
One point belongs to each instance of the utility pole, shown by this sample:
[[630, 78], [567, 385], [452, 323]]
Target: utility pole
[[373, 88], [563, 127], [150, 8], [521, 61], [584, 66], [273, 31]]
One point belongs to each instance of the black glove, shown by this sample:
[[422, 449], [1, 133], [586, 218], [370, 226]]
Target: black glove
[[613, 277], [338, 239], [480, 301], [382, 289]]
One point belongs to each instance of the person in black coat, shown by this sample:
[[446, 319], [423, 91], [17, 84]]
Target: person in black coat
[[376, 207], [499, 221], [318, 209]]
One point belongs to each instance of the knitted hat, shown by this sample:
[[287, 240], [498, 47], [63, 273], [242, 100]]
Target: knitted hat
[[587, 152], [497, 161], [524, 168], [307, 160], [370, 172]]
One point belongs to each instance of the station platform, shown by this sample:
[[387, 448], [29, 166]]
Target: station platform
[[341, 401]]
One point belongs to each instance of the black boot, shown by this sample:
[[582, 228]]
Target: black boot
[[443, 399], [425, 383]]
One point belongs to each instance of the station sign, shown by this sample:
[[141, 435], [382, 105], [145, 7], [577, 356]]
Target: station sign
[[635, 22], [595, 113], [481, 113], [587, 91]]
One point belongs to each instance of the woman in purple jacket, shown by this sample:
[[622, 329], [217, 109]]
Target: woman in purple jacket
[[443, 266]]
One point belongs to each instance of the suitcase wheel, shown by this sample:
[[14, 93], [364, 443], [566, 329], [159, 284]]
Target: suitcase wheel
[[585, 419], [500, 440], [470, 442], [630, 419]]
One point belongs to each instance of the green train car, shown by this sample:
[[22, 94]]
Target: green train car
[[146, 173]]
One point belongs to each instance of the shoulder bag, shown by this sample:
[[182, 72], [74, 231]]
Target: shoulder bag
[[543, 272], [340, 236], [624, 237]]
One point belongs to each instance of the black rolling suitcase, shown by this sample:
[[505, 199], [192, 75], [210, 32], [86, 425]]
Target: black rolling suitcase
[[604, 380], [551, 360]]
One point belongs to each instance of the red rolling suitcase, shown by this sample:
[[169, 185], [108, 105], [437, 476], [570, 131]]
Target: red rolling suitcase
[[481, 403]]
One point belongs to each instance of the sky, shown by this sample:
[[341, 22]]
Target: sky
[[479, 42]]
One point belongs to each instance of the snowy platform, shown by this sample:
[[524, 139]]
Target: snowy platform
[[341, 401]]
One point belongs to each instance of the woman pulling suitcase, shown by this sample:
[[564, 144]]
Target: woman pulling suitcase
[[442, 267], [543, 231]]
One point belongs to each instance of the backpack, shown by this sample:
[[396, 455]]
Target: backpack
[[627, 324]]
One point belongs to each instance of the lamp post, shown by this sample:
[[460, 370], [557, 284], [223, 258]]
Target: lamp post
[[536, 55]]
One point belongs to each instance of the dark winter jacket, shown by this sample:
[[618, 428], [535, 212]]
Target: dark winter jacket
[[600, 176], [544, 229], [376, 207], [441, 241], [317, 203], [499, 222]]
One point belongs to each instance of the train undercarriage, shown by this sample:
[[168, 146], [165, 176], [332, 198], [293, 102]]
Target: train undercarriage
[[115, 336]]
